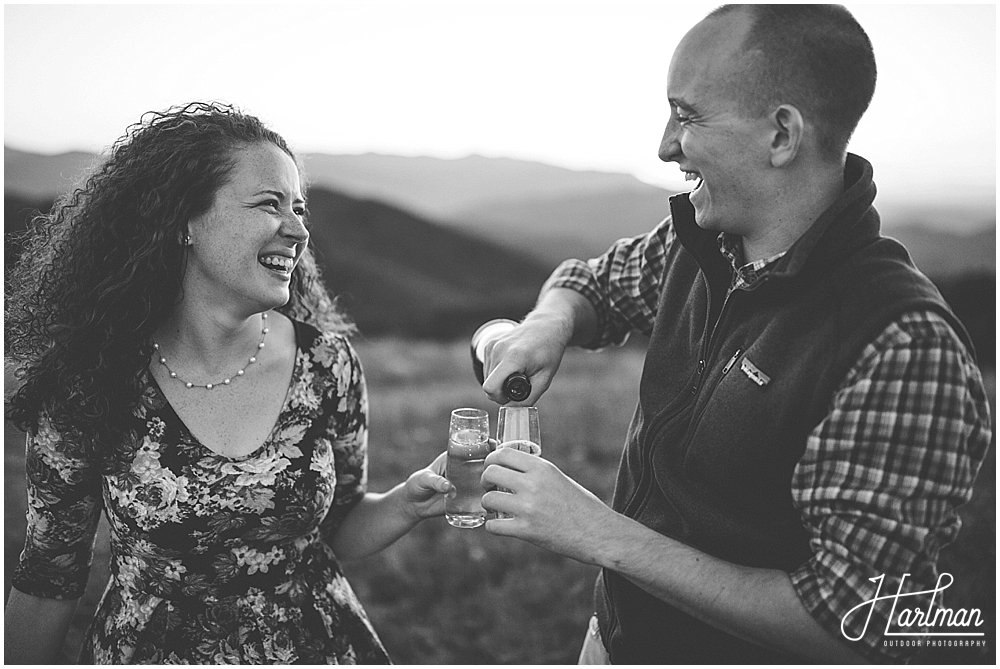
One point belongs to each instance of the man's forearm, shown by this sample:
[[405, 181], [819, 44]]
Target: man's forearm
[[759, 605], [571, 311]]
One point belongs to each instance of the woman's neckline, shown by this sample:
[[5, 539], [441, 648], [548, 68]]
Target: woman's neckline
[[188, 436]]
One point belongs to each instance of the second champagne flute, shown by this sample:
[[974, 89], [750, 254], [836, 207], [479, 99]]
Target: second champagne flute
[[517, 427]]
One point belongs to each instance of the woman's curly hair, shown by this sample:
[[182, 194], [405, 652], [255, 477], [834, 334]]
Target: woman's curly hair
[[103, 269]]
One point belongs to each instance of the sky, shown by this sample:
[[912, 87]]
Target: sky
[[575, 84]]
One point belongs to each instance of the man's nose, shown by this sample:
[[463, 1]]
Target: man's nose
[[670, 146]]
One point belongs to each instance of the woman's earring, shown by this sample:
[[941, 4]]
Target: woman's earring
[[186, 240]]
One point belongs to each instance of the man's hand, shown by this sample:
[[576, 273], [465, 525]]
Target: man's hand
[[549, 509], [534, 348]]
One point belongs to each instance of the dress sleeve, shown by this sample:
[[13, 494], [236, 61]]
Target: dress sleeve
[[348, 430], [623, 285], [881, 478], [64, 507]]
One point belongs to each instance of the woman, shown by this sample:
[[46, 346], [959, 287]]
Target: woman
[[184, 368]]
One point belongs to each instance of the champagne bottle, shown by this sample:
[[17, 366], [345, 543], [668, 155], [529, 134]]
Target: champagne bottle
[[516, 387]]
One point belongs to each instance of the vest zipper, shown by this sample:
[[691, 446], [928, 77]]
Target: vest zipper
[[732, 361], [642, 487], [706, 347], [729, 365], [739, 351]]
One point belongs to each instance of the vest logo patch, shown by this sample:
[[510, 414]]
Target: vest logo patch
[[757, 376]]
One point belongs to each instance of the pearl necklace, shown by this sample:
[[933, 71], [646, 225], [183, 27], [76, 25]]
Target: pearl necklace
[[224, 382]]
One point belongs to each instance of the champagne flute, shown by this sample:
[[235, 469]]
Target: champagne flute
[[517, 427], [468, 446]]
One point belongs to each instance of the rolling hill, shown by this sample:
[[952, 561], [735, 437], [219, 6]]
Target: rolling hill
[[34, 177], [401, 274], [579, 225], [442, 189]]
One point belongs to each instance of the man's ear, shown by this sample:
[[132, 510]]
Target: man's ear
[[788, 127]]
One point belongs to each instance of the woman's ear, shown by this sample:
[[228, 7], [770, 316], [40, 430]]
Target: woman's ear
[[788, 127]]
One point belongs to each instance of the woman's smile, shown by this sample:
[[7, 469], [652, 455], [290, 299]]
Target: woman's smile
[[278, 264]]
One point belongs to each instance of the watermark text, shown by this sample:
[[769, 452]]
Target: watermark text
[[957, 622]]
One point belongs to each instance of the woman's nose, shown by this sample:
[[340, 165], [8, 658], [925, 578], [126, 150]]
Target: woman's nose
[[293, 226]]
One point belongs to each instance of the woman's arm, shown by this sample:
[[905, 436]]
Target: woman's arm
[[34, 628], [63, 510], [361, 523], [379, 519]]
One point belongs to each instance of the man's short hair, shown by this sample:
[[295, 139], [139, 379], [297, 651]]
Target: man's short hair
[[815, 57]]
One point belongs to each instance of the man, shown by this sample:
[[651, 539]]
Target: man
[[810, 413]]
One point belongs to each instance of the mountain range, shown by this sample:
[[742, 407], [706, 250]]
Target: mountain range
[[432, 247], [546, 212]]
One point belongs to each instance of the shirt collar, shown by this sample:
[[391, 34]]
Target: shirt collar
[[744, 274]]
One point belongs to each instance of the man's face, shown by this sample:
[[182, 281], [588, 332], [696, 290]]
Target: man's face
[[708, 137]]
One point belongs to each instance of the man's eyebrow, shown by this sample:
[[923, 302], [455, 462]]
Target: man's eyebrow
[[680, 104]]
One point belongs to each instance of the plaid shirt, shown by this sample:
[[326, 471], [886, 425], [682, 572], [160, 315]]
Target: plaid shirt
[[882, 474]]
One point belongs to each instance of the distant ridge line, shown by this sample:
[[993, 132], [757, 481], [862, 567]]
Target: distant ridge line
[[544, 211]]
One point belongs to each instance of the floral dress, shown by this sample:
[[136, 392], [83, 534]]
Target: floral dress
[[214, 559]]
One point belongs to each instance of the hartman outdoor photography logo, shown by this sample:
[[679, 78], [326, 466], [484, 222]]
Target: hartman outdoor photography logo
[[917, 618]]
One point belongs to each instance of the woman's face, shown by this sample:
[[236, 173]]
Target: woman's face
[[244, 248]]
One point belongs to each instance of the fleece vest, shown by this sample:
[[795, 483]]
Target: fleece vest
[[731, 387]]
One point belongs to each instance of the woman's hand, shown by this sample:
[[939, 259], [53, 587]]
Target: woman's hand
[[425, 491]]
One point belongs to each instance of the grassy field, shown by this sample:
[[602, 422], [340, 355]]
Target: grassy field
[[447, 596]]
